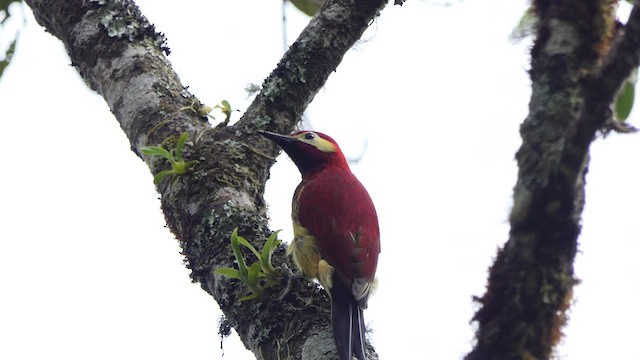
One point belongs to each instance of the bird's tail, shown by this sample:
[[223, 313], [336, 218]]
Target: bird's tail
[[348, 322]]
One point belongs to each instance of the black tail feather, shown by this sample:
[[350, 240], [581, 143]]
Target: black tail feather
[[357, 331], [348, 322]]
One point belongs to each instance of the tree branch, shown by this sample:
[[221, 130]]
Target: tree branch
[[120, 55], [623, 58], [531, 282], [308, 63], [606, 81]]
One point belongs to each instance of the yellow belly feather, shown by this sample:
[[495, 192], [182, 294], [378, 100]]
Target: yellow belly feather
[[307, 257]]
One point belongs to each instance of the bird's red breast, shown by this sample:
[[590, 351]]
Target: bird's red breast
[[334, 207]]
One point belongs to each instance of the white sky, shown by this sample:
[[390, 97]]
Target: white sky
[[87, 269]]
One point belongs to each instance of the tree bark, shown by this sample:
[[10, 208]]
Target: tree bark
[[578, 63], [121, 56]]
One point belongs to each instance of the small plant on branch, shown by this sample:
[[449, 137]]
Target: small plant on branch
[[251, 275], [178, 165]]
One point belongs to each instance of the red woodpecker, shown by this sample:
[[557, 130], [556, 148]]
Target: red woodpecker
[[336, 235]]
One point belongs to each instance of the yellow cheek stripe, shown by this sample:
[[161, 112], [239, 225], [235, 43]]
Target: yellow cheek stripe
[[324, 145], [318, 142]]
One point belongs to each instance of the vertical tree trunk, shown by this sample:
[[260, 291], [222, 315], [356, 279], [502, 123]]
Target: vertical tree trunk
[[575, 75]]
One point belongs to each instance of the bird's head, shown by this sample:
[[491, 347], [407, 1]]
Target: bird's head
[[309, 150]]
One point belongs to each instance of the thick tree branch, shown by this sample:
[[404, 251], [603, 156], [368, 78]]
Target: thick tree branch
[[121, 56], [530, 284]]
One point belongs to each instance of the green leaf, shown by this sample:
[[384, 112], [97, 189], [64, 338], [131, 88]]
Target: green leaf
[[246, 244], [205, 110], [229, 272], [190, 164], [226, 106], [181, 141], [161, 175], [156, 150], [267, 251], [252, 276], [235, 246], [308, 7], [248, 297], [624, 101], [180, 167]]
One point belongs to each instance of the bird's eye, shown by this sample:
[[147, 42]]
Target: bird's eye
[[309, 136]]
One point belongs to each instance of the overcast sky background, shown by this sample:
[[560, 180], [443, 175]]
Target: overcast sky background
[[433, 94]]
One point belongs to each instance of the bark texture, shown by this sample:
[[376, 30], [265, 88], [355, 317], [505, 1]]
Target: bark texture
[[121, 56], [578, 62]]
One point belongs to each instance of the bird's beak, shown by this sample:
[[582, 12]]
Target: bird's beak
[[281, 140]]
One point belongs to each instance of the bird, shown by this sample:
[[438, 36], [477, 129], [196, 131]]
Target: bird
[[336, 233]]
